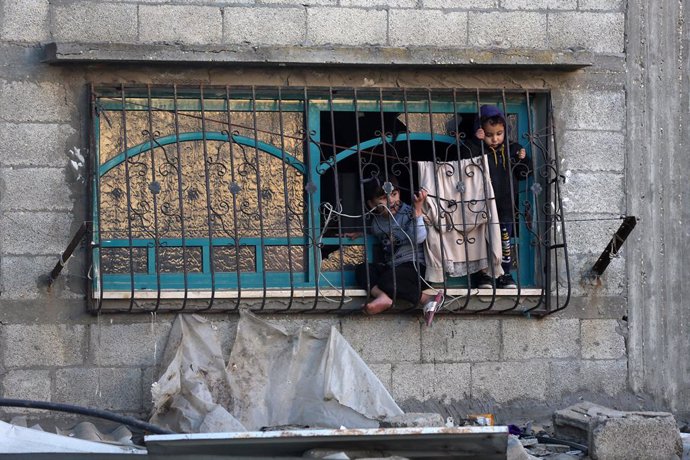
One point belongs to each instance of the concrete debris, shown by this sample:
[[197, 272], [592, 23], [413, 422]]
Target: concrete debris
[[516, 451], [613, 434], [329, 454], [413, 419]]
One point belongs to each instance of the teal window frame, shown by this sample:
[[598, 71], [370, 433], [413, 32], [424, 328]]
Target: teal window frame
[[310, 170]]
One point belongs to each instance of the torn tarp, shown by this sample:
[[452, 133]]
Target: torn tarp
[[272, 378]]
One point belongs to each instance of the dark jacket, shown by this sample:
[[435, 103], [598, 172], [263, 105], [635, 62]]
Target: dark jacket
[[500, 166]]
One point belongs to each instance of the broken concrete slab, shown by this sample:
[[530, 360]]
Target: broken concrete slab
[[413, 419], [613, 434]]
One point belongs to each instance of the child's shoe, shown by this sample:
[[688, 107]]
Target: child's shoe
[[506, 282], [431, 307], [482, 280]]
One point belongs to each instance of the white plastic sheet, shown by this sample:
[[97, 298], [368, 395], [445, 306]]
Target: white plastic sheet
[[15, 439], [272, 378]]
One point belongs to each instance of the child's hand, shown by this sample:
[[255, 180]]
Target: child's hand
[[419, 199], [352, 235], [480, 134], [521, 154]]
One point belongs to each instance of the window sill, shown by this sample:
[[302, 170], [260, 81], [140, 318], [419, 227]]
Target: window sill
[[299, 294], [71, 53]]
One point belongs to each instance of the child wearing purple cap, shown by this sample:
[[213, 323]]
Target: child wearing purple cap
[[490, 134]]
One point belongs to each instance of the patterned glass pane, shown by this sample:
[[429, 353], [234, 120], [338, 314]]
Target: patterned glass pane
[[280, 259], [351, 257], [117, 260], [226, 259], [172, 260]]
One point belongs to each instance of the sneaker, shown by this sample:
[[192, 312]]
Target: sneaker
[[431, 307], [506, 282], [482, 280]]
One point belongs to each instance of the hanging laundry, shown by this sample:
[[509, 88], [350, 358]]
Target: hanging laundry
[[463, 234]]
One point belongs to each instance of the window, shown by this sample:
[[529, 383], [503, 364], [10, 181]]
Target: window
[[210, 193]]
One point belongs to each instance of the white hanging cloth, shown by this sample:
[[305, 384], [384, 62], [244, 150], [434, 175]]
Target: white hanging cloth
[[463, 232]]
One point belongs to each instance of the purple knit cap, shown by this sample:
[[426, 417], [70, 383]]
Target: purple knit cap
[[488, 111]]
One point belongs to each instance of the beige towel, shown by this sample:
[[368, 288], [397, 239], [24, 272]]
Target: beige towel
[[463, 230]]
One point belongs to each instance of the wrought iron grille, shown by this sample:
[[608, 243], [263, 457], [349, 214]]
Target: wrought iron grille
[[211, 198]]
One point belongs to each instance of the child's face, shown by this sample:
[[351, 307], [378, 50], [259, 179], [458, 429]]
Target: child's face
[[379, 204], [494, 135]]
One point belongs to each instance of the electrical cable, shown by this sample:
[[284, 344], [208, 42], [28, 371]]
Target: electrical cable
[[88, 411]]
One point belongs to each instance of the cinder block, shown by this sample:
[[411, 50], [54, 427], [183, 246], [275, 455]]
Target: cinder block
[[600, 192], [140, 344], [346, 26], [605, 377], [454, 340], [34, 189], [444, 383], [94, 22], [300, 2], [612, 283], [459, 4], [613, 434], [318, 325], [34, 102], [191, 24], [507, 30], [51, 345], [380, 3], [412, 28], [595, 32], [612, 5], [117, 389], [35, 233], [25, 21], [601, 339], [594, 110], [539, 4], [593, 151], [27, 384], [289, 25], [508, 381], [21, 149], [637, 435], [548, 338], [148, 377], [588, 234], [385, 339], [23, 278]]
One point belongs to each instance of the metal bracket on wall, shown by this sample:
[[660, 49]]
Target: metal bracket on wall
[[613, 247], [81, 232]]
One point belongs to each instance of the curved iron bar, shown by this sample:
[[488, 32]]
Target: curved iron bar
[[285, 197], [129, 199], [234, 191], [515, 247], [469, 173], [180, 199], [209, 219], [488, 205], [154, 187], [537, 239], [559, 207]]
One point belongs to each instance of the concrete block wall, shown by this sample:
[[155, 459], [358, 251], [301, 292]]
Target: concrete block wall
[[51, 349], [457, 365]]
